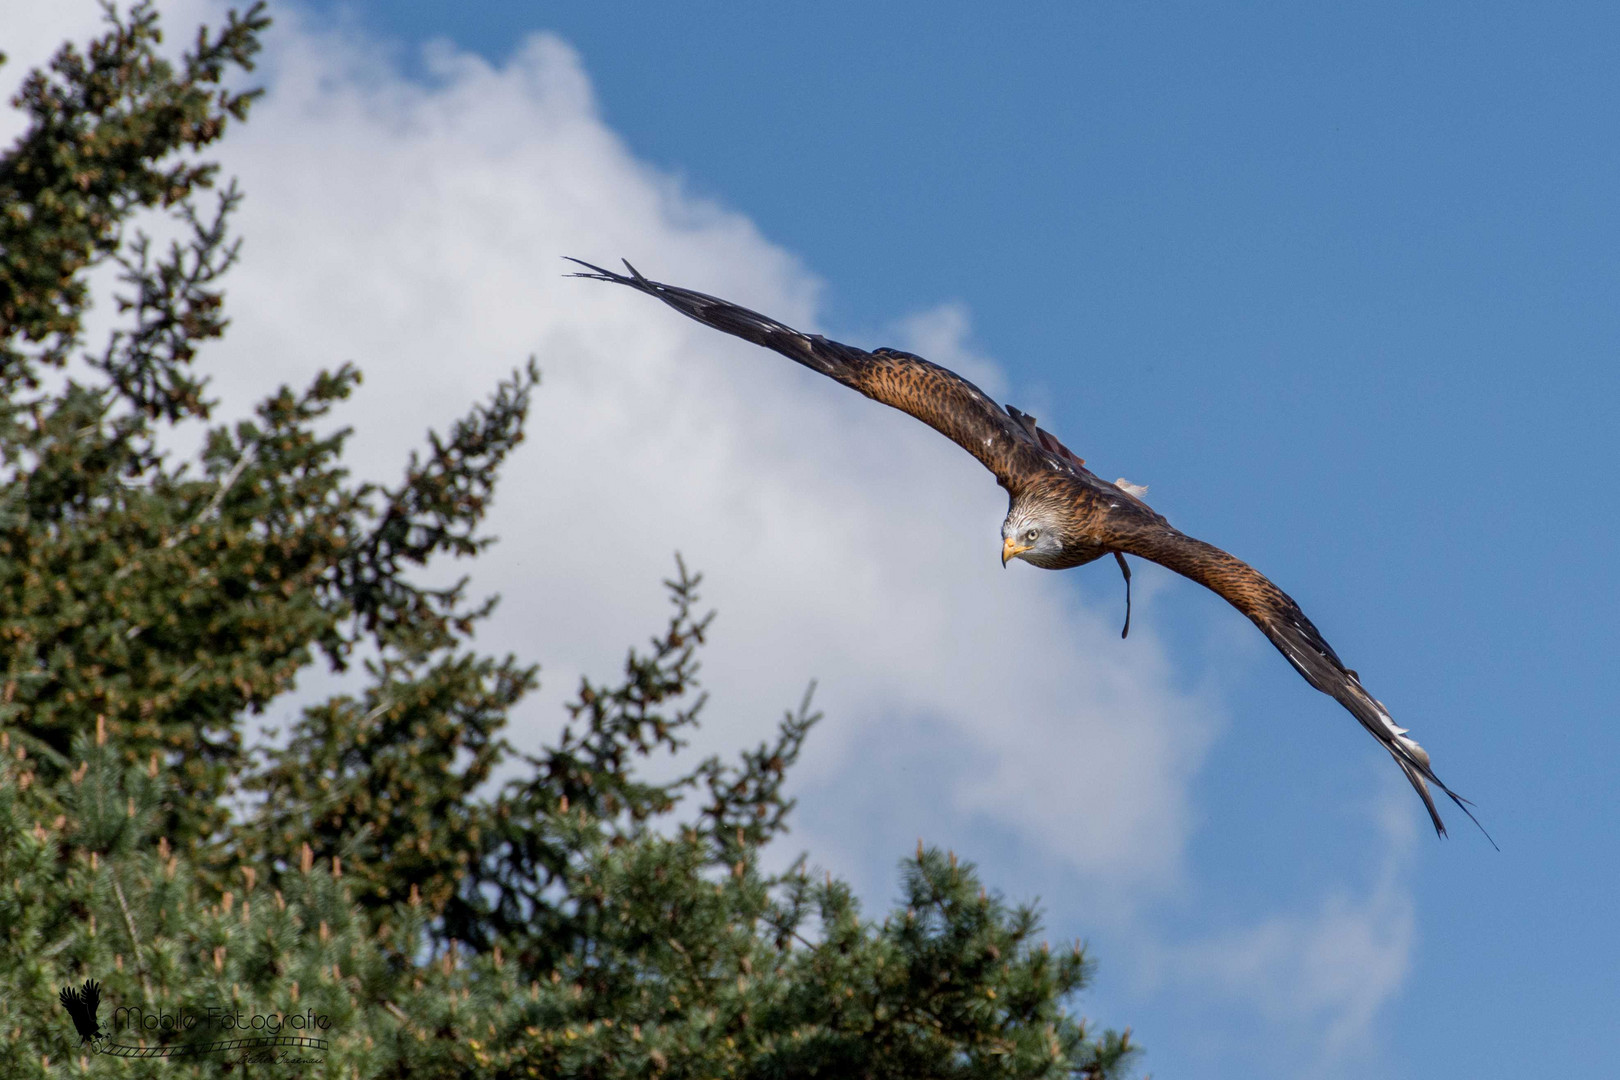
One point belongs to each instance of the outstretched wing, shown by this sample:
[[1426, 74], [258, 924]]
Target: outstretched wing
[[1006, 441], [1294, 635]]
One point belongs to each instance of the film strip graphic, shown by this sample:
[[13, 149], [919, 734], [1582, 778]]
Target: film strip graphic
[[263, 1042]]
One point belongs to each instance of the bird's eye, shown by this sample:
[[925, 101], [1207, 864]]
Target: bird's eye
[[1030, 536]]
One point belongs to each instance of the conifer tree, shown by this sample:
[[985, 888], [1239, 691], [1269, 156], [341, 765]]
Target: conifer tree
[[361, 876]]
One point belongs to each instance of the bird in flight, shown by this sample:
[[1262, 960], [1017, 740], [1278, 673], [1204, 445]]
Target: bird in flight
[[1060, 514]]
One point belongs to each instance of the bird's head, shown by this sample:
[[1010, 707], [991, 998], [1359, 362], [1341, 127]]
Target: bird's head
[[1032, 532]]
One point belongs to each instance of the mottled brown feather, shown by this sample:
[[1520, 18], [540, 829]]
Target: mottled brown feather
[[1005, 441], [1290, 630]]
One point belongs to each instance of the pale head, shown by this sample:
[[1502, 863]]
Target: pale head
[[1033, 532]]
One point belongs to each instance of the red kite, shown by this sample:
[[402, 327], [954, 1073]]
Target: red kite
[[1060, 513]]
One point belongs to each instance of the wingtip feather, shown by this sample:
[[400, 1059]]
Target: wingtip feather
[[596, 271], [1303, 646]]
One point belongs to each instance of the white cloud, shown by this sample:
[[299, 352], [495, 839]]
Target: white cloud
[[417, 229], [1318, 978], [32, 34]]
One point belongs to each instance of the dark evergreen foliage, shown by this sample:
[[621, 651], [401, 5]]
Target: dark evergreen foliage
[[579, 920]]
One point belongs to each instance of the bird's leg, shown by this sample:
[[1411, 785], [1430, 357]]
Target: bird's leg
[[1126, 570]]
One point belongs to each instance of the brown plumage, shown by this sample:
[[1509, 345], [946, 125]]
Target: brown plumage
[[1061, 514]]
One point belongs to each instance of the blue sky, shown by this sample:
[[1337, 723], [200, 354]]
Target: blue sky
[[1338, 284]]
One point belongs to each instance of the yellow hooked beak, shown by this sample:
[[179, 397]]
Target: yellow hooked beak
[[1011, 549]]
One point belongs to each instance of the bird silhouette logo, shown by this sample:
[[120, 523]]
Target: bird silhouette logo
[[81, 1006]]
